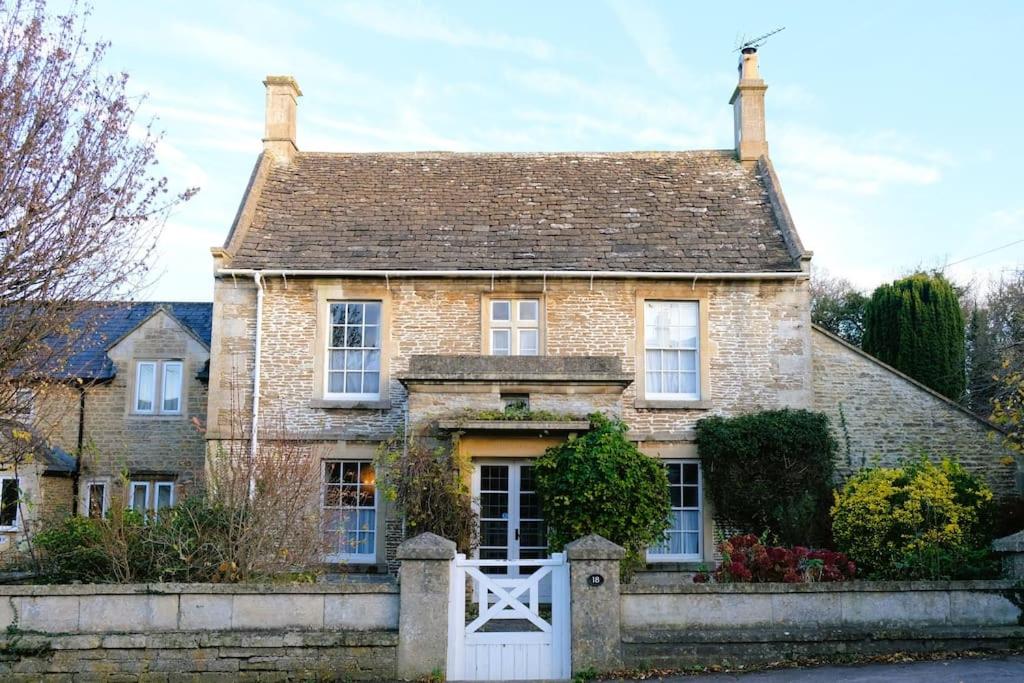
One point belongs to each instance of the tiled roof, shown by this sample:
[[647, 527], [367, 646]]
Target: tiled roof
[[18, 446], [643, 211], [106, 323]]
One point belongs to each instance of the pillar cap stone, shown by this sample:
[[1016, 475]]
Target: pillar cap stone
[[594, 547], [426, 546], [1014, 543]]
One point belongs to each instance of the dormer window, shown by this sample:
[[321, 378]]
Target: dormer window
[[514, 327], [158, 387]]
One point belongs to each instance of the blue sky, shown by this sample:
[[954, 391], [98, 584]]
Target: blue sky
[[896, 131]]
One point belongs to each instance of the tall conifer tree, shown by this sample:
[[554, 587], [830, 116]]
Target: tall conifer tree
[[916, 326]]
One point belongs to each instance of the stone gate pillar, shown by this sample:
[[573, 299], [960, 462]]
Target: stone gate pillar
[[423, 608], [594, 590]]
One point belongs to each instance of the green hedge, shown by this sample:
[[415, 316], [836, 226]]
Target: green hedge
[[770, 473]]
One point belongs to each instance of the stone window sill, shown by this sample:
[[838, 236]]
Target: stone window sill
[[383, 404], [643, 404]]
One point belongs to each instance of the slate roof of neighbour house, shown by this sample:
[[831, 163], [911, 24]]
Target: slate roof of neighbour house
[[22, 442], [107, 323], [637, 211]]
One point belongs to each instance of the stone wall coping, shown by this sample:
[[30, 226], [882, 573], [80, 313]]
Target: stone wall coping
[[824, 587], [426, 546], [516, 425], [388, 585], [1014, 543], [594, 547]]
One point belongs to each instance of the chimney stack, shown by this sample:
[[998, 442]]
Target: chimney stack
[[748, 110], [282, 95]]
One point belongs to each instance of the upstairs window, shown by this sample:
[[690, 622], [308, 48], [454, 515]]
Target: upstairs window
[[354, 351], [514, 327], [158, 386], [671, 350]]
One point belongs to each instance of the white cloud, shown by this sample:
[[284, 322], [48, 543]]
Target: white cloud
[[413, 21], [647, 31], [861, 167]]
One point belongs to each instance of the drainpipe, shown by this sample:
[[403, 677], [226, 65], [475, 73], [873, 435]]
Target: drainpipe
[[254, 430], [76, 476]]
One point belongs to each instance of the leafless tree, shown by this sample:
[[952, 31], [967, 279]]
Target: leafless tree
[[81, 204], [837, 306]]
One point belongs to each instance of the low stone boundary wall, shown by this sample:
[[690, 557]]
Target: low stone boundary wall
[[687, 624], [228, 632]]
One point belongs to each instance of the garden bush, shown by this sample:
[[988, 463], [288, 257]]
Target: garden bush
[[770, 473], [746, 560], [925, 520], [600, 483]]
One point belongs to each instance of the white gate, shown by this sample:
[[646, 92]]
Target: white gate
[[510, 638]]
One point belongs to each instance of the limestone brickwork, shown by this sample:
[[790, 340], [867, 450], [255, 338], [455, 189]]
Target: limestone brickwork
[[880, 415]]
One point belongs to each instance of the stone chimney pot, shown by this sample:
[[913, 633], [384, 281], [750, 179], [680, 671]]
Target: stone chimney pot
[[748, 110]]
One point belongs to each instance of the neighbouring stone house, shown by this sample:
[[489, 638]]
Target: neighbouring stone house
[[361, 293], [118, 420]]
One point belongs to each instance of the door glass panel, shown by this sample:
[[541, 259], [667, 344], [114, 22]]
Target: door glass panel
[[533, 541], [494, 513]]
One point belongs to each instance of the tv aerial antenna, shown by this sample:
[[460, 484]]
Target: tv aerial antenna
[[756, 42]]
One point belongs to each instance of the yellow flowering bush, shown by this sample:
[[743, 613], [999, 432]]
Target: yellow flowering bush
[[925, 520]]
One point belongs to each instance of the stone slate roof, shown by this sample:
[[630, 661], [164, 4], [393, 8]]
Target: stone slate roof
[[644, 211], [106, 323]]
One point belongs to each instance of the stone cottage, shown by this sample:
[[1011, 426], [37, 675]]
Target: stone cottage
[[360, 293], [118, 420]]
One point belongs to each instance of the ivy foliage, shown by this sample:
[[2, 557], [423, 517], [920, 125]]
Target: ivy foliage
[[923, 521], [770, 473], [600, 483], [428, 480], [916, 325]]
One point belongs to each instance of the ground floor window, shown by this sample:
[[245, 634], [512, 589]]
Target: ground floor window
[[147, 496], [349, 503], [683, 537], [9, 494], [96, 499]]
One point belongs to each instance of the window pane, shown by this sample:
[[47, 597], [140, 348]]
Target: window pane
[[163, 495], [353, 337], [353, 384], [9, 503], [528, 310], [354, 314], [371, 337], [653, 360], [673, 473], [371, 383], [528, 343], [500, 342], [372, 313], [350, 472], [172, 388], [336, 383], [337, 360], [337, 336], [371, 360], [145, 387], [690, 496], [689, 383], [501, 311], [653, 383], [671, 360], [139, 496], [97, 492], [353, 360], [337, 314], [676, 496], [691, 544], [691, 473]]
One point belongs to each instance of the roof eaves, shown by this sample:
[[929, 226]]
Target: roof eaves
[[907, 378]]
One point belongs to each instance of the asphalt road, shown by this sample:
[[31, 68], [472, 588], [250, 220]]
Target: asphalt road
[[951, 671]]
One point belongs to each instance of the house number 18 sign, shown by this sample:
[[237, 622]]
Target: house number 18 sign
[[595, 580]]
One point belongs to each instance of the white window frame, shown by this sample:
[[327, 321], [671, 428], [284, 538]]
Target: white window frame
[[131, 496], [157, 485], [17, 507], [345, 396], [652, 555], [663, 395], [87, 498], [138, 387], [515, 325], [164, 366], [352, 558]]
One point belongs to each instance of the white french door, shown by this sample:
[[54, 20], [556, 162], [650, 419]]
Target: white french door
[[511, 523]]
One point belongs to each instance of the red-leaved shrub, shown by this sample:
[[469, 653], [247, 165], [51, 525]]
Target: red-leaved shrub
[[746, 560]]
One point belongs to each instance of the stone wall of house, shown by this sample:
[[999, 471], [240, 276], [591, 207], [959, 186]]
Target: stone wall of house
[[758, 344], [879, 414], [56, 414], [116, 439]]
